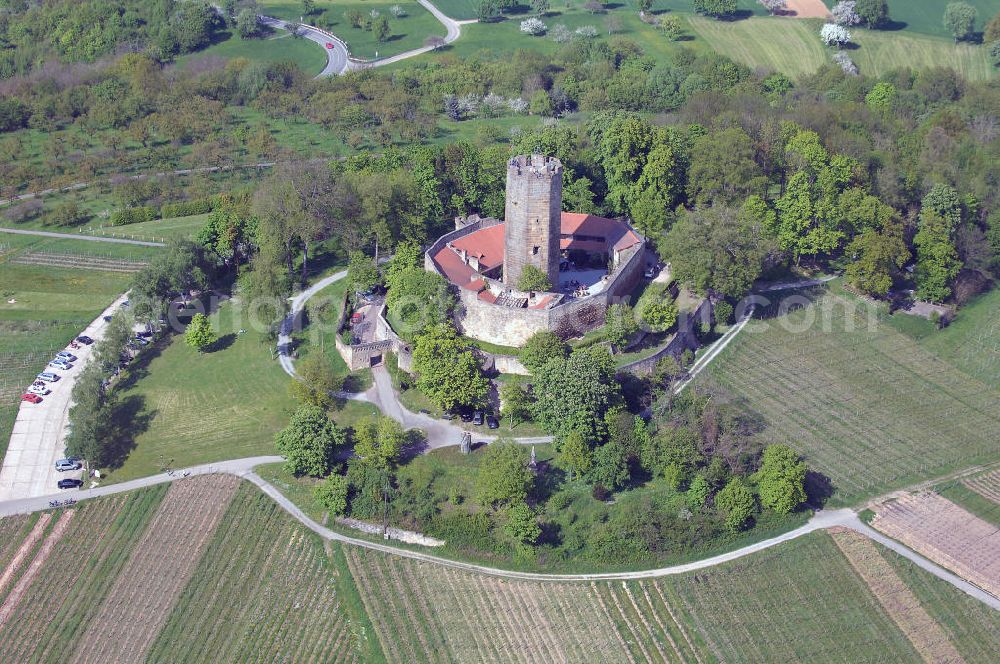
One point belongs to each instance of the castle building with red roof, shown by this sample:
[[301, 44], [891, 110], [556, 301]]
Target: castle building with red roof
[[590, 261]]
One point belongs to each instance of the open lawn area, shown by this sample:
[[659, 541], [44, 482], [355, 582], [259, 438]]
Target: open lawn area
[[793, 46], [972, 341], [159, 230], [279, 46], [184, 407], [927, 16], [866, 405], [406, 32]]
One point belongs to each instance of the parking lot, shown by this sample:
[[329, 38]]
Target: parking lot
[[37, 440]]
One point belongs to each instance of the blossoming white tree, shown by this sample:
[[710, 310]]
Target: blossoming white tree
[[844, 13], [533, 26], [834, 35]]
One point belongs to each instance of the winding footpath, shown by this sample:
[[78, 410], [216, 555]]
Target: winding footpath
[[244, 468]]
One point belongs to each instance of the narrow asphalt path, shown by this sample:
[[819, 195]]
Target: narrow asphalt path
[[439, 433], [74, 236], [453, 30], [337, 57], [244, 468]]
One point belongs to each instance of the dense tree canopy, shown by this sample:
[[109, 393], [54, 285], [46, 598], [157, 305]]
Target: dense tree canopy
[[309, 441]]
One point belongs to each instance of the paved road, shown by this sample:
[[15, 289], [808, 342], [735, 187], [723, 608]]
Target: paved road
[[244, 468], [39, 434], [453, 31], [337, 58], [74, 236], [439, 433]]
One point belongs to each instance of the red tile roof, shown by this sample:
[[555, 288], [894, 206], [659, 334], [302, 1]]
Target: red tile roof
[[487, 244]]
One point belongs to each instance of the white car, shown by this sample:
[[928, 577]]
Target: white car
[[48, 377], [60, 364], [40, 391], [66, 355]]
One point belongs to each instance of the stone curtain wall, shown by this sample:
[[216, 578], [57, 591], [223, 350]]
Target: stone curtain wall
[[682, 340]]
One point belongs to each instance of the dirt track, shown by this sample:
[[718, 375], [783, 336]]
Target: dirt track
[[807, 9]]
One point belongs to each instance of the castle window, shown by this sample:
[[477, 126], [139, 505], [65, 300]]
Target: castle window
[[534, 251]]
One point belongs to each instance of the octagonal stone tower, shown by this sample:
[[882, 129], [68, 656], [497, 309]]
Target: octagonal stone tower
[[532, 217]]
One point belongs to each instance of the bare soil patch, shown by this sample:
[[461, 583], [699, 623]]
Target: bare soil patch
[[945, 533], [12, 600], [927, 637], [22, 552], [987, 486], [807, 9], [161, 564]]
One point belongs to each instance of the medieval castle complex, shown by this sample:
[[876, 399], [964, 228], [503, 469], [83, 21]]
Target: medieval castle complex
[[591, 262]]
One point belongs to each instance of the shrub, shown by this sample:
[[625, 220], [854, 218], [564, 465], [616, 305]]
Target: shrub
[[995, 53], [186, 208], [723, 312], [132, 215], [533, 26], [586, 31]]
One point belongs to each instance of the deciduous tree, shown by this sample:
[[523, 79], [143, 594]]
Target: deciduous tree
[[515, 405], [199, 333], [960, 20], [542, 347], [574, 393], [379, 441], [309, 441], [875, 13], [316, 382], [781, 479], [533, 279], [736, 502], [504, 477], [575, 455], [447, 373], [331, 493]]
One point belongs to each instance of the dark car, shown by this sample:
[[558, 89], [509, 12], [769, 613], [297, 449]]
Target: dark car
[[477, 418], [69, 484], [85, 340], [492, 422], [448, 415], [466, 416]]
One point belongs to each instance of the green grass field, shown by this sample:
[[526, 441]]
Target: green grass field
[[972, 341], [792, 46], [185, 407], [865, 404], [160, 230], [278, 47], [406, 32], [927, 16]]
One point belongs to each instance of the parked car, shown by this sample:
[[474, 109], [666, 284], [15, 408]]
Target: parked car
[[139, 340], [85, 340], [492, 422], [107, 319], [329, 45], [477, 418], [448, 415], [63, 465], [48, 376], [66, 355], [40, 391], [60, 364], [31, 398], [466, 415], [69, 484], [357, 317]]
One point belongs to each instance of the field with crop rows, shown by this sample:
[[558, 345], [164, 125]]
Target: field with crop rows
[[802, 601], [928, 637], [200, 569], [945, 533], [865, 404], [50, 617], [986, 485], [264, 590]]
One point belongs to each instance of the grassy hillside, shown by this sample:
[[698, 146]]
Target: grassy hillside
[[865, 404], [927, 16], [793, 47], [279, 47]]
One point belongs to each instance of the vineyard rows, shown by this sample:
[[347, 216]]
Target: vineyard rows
[[987, 485], [264, 590], [160, 565], [51, 616], [868, 408], [927, 636], [945, 533], [79, 261]]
